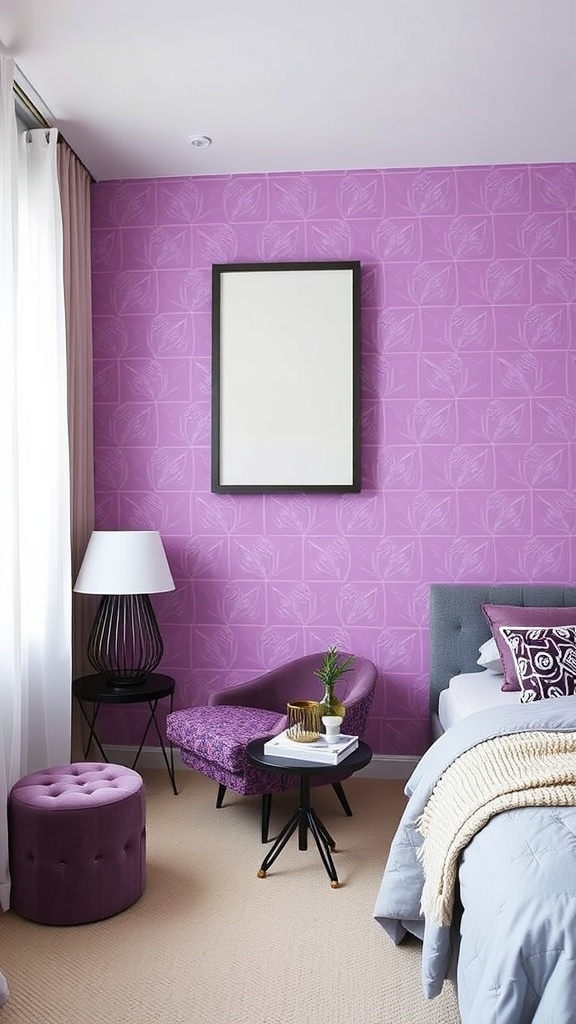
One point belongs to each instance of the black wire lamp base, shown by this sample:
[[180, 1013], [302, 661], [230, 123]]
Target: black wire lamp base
[[125, 642]]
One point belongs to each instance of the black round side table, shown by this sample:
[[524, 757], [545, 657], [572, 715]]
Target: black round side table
[[98, 690], [305, 817]]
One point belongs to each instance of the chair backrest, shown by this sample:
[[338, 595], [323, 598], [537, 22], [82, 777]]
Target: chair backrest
[[356, 690], [296, 681]]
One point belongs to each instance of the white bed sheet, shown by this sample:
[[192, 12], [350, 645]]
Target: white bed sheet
[[470, 692]]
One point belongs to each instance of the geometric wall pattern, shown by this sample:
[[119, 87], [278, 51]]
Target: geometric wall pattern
[[468, 414]]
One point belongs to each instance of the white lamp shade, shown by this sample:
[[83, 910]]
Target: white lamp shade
[[124, 562]]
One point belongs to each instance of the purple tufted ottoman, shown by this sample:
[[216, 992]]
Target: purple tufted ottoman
[[77, 841]]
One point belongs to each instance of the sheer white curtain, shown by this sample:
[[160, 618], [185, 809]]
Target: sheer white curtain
[[35, 571]]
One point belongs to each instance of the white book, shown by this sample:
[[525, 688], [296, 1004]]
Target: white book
[[318, 751]]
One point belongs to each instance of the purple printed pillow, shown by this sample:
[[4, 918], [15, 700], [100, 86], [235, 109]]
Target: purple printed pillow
[[499, 615], [545, 660]]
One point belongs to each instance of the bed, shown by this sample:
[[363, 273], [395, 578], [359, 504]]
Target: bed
[[482, 868]]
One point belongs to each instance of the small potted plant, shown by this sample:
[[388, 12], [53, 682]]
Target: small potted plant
[[333, 666]]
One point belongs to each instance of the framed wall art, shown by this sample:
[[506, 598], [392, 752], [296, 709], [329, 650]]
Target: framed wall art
[[285, 377]]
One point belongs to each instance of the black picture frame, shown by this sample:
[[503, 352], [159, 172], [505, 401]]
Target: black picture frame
[[286, 377]]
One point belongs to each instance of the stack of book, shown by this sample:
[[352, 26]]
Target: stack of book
[[318, 751]]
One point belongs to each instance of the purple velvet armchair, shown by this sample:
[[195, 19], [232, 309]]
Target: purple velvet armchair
[[213, 739]]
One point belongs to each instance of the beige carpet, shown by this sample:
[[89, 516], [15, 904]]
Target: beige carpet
[[209, 942]]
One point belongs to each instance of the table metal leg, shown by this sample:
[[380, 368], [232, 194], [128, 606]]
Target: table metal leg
[[304, 805], [93, 736], [153, 704], [280, 842], [304, 818], [318, 831], [169, 765], [323, 831]]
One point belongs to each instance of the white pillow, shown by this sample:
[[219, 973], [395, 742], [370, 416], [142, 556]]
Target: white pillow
[[490, 657]]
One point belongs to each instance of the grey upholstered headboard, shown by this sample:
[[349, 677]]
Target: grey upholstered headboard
[[458, 625]]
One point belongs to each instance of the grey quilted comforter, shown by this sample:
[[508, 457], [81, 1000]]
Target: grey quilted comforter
[[514, 925]]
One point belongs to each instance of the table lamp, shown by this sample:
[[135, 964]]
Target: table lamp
[[124, 566]]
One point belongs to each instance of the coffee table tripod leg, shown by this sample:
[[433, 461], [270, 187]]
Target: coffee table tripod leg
[[304, 805], [323, 849], [330, 843], [281, 840]]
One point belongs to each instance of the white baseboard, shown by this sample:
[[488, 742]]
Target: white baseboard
[[382, 766], [150, 757]]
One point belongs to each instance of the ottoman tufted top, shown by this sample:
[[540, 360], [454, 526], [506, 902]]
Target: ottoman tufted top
[[67, 786]]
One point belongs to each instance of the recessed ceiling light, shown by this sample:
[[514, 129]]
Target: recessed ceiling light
[[200, 141]]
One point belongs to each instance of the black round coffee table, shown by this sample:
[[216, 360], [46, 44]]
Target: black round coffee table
[[305, 816]]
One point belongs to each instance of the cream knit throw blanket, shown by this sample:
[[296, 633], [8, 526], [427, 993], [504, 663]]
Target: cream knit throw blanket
[[525, 769]]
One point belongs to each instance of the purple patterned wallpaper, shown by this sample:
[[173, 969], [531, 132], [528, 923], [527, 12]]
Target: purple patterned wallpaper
[[468, 413]]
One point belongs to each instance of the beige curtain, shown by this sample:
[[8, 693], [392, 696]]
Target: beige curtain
[[74, 181]]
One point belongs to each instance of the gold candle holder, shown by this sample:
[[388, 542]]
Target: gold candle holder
[[303, 720]]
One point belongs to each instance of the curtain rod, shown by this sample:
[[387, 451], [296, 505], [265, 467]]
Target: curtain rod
[[43, 123], [30, 106]]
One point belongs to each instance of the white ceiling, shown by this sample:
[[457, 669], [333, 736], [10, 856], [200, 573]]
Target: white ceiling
[[286, 85]]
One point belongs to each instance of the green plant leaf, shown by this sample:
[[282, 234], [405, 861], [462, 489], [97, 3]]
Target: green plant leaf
[[333, 666]]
